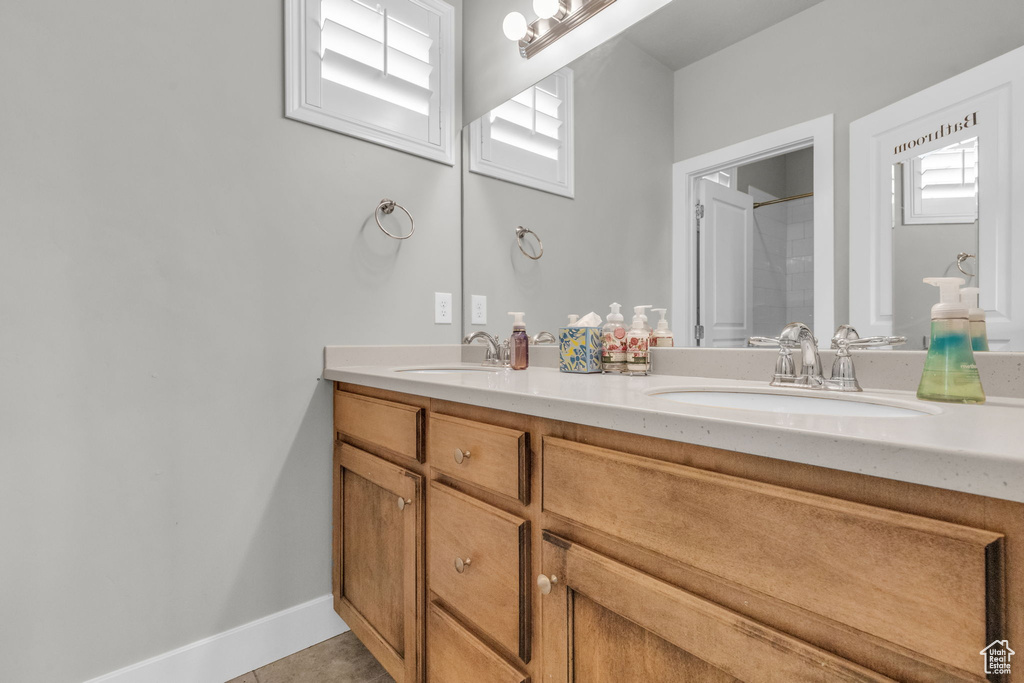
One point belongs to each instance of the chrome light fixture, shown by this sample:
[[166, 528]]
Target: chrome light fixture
[[555, 19]]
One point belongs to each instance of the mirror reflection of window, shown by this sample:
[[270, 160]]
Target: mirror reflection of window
[[941, 186], [935, 218]]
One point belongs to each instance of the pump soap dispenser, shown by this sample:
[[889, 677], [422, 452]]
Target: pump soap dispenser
[[638, 342], [519, 342], [662, 336], [950, 373], [979, 334]]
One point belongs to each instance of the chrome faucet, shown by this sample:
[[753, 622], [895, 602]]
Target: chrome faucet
[[493, 355], [544, 337], [798, 335]]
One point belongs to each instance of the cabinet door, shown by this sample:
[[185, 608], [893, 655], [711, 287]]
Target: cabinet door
[[605, 621], [378, 556]]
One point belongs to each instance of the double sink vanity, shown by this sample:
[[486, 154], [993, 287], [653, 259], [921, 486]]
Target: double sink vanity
[[495, 525]]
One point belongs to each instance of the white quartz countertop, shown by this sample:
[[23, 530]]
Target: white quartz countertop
[[969, 448]]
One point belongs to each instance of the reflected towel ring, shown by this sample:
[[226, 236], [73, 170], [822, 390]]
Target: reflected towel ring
[[520, 233], [960, 258], [388, 207]]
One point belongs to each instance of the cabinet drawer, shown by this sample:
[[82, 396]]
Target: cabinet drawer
[[490, 589], [494, 458], [922, 584], [394, 426], [454, 655]]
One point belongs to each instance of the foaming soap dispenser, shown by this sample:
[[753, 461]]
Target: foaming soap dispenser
[[979, 333], [638, 341], [950, 373], [520, 343]]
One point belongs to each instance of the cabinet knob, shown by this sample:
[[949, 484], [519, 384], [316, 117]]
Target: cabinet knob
[[460, 455], [544, 583], [402, 502], [461, 564]]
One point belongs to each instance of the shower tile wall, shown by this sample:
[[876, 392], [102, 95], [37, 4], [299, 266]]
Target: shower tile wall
[[770, 265], [800, 260]]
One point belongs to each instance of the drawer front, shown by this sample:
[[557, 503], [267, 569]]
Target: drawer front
[[922, 584], [494, 458], [490, 589], [454, 655], [394, 426]]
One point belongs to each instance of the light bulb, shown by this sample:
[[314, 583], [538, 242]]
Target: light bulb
[[515, 26], [546, 9]]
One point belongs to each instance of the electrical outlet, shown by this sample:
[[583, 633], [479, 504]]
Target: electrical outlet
[[443, 308], [479, 309]]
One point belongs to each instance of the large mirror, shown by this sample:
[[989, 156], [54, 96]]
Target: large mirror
[[693, 78]]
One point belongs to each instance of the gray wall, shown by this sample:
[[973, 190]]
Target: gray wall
[[610, 243], [840, 57], [175, 256]]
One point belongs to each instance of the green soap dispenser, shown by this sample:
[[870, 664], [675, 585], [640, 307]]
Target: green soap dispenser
[[950, 373]]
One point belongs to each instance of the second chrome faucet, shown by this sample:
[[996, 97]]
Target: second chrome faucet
[[799, 336]]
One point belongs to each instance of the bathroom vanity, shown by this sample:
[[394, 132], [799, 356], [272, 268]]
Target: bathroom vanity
[[487, 527]]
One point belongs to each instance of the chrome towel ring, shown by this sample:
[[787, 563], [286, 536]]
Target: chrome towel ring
[[387, 206], [521, 232], [960, 258]]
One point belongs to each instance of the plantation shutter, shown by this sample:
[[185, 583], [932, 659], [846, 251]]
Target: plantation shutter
[[380, 71]]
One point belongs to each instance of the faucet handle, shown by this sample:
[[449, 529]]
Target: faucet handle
[[844, 344], [774, 342]]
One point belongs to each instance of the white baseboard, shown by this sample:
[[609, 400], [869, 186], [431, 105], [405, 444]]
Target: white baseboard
[[232, 653]]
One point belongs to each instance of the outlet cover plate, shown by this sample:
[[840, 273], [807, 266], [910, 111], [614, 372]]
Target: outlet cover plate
[[443, 308], [479, 309]]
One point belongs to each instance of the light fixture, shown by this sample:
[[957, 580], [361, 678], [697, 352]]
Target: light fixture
[[551, 9], [555, 19], [516, 28]]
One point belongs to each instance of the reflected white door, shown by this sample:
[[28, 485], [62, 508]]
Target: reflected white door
[[726, 266]]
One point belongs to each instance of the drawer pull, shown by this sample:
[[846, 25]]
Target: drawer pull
[[460, 455], [402, 502], [461, 564], [544, 583]]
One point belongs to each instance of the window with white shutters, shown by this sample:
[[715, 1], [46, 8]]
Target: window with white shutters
[[528, 140], [941, 186], [380, 71]]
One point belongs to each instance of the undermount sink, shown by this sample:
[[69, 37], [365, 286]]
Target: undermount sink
[[452, 370], [790, 402]]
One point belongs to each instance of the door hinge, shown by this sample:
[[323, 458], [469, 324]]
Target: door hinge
[[698, 331], [699, 213]]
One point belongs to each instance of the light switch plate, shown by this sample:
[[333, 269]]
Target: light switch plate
[[479, 315], [443, 308]]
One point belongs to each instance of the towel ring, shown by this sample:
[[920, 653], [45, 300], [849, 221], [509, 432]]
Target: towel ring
[[388, 207], [960, 258], [520, 233]]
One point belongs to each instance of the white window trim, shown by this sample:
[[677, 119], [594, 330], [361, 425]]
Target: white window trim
[[296, 107], [478, 164]]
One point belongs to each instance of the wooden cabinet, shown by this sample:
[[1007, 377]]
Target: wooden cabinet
[[378, 555], [605, 621], [665, 561]]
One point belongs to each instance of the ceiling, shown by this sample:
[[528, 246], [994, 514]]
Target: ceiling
[[686, 31]]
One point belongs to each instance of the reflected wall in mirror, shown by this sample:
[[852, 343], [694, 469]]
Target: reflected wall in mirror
[[932, 196], [718, 74]]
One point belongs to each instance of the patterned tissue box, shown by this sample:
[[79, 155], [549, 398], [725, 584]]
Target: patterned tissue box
[[579, 349]]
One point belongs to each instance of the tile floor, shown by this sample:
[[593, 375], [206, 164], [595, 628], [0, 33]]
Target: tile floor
[[342, 659]]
